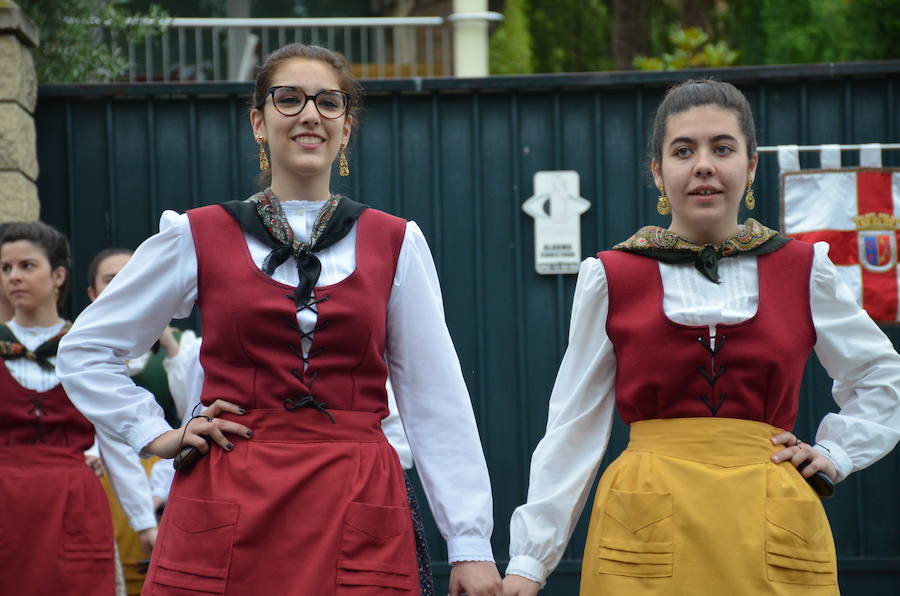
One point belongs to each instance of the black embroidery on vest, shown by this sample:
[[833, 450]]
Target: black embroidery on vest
[[713, 374]]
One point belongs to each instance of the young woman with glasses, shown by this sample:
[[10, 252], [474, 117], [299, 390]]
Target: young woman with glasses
[[306, 299], [699, 335]]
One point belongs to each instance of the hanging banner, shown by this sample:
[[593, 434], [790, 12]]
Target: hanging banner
[[857, 211], [556, 207]]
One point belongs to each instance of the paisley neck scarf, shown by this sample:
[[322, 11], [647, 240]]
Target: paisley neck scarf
[[752, 238], [262, 217]]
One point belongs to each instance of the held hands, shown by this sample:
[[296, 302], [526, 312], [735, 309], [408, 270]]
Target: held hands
[[168, 444], [475, 578], [516, 585], [798, 452]]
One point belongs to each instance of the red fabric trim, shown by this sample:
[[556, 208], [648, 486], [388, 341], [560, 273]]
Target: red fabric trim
[[873, 192], [843, 245]]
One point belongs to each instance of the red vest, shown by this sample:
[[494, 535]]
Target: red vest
[[667, 370], [40, 418], [251, 342]]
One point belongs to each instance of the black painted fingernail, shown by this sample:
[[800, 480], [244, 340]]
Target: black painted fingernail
[[249, 433], [242, 410], [229, 446]]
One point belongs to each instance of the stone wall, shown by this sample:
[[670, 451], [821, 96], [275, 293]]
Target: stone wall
[[18, 95]]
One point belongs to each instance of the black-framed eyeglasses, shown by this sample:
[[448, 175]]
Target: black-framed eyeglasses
[[290, 101]]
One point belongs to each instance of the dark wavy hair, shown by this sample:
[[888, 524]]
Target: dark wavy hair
[[50, 240], [702, 92], [99, 258]]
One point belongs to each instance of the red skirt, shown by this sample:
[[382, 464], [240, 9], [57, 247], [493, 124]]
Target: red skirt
[[56, 535], [304, 508]]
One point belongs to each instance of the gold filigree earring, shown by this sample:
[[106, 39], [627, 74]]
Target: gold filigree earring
[[263, 158], [663, 206], [343, 166], [749, 198]]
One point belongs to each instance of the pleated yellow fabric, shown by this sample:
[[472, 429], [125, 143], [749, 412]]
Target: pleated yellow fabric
[[694, 506]]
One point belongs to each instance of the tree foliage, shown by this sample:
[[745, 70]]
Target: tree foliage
[[579, 35], [510, 51], [570, 35], [692, 49], [74, 48]]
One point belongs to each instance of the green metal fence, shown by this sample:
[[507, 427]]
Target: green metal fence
[[458, 157]]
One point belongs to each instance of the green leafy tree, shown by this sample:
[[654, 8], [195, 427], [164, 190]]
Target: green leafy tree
[[511, 44], [74, 48], [570, 35], [692, 49]]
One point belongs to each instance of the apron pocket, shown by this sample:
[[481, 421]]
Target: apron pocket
[[799, 547], [195, 544], [87, 541], [636, 538], [375, 538]]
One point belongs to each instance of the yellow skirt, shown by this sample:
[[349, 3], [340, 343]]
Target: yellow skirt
[[694, 506]]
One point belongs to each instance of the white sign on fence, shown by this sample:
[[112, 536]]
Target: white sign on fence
[[556, 208]]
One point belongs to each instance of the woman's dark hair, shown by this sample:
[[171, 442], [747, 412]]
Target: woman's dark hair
[[335, 60], [54, 244], [99, 258], [702, 92]]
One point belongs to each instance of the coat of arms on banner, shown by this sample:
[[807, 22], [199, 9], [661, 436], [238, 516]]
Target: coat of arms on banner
[[857, 211]]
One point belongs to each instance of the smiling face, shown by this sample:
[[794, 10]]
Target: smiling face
[[28, 280], [304, 146], [705, 169]]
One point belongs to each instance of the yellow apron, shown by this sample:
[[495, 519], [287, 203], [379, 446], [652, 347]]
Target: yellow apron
[[130, 551], [694, 506]]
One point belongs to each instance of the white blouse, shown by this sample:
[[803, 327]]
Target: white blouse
[[160, 282], [125, 472], [853, 350]]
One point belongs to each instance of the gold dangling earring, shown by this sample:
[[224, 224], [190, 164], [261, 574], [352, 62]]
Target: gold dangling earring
[[749, 198], [663, 206], [343, 166], [263, 158]]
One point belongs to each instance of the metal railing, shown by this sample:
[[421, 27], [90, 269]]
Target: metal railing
[[206, 49]]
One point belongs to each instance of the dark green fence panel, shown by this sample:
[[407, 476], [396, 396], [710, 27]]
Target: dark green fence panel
[[458, 157]]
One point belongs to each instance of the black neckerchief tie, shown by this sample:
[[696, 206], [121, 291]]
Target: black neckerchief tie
[[11, 348], [338, 225], [654, 242]]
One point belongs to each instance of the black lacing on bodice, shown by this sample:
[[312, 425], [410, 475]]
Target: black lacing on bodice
[[308, 400], [712, 374], [37, 408]]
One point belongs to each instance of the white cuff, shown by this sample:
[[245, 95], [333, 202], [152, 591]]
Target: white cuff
[[143, 433], [842, 463], [469, 548], [143, 522], [527, 567]]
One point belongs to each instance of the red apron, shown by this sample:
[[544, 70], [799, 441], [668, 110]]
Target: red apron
[[305, 507], [55, 530]]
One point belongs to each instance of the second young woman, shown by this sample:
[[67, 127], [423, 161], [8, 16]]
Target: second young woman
[[698, 335]]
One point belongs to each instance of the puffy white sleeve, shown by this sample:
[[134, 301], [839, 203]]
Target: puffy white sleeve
[[128, 480], [161, 476], [394, 431], [565, 462], [157, 284], [434, 404], [866, 372], [185, 375]]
